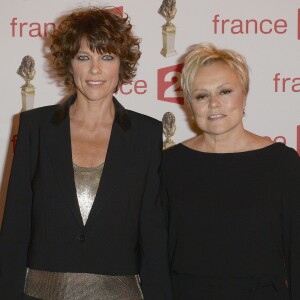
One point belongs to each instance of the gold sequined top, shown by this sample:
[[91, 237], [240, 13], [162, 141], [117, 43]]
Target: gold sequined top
[[87, 182], [82, 286]]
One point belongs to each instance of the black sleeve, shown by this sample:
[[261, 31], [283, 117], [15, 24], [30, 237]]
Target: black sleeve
[[154, 269], [16, 226], [291, 200]]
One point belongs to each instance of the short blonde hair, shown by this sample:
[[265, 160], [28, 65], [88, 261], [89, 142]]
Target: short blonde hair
[[205, 54]]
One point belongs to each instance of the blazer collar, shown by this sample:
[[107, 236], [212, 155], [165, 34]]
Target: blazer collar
[[121, 116], [60, 140]]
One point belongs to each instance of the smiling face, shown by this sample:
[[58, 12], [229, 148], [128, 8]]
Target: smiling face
[[217, 99], [96, 75]]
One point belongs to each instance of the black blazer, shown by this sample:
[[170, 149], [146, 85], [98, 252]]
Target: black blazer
[[42, 226]]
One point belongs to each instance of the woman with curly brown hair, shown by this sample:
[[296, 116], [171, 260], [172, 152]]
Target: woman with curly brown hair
[[83, 218]]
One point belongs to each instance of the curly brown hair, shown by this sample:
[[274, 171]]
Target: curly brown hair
[[105, 30]]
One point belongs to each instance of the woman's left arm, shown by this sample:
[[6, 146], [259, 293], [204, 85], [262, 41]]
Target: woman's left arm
[[292, 222], [154, 269]]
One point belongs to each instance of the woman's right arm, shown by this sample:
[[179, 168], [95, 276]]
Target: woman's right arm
[[16, 225]]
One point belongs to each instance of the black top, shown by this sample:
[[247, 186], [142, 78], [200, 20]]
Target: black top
[[235, 215]]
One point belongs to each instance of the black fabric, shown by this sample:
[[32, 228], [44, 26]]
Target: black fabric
[[234, 223]]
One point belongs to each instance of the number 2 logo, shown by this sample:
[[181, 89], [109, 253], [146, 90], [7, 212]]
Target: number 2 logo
[[168, 84]]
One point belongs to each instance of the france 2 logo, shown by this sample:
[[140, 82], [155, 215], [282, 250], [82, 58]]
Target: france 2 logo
[[168, 84]]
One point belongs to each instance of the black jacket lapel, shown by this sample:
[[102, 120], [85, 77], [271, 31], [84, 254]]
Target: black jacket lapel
[[115, 161], [62, 156]]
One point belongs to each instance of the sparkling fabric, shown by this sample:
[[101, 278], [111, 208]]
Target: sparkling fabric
[[86, 182], [81, 286]]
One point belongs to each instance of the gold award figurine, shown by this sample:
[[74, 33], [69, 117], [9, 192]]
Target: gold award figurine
[[169, 129], [168, 11], [27, 71]]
